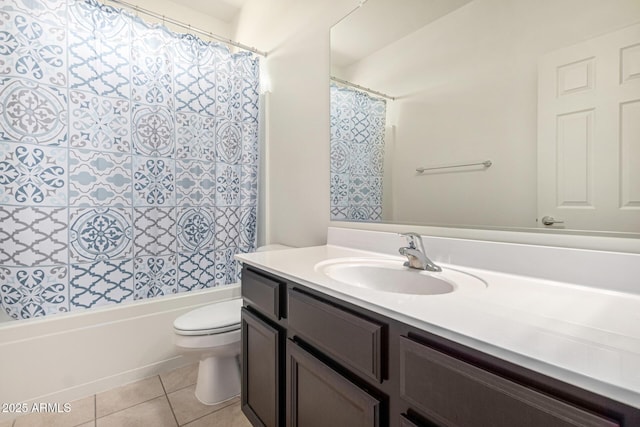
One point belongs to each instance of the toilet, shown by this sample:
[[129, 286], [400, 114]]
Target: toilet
[[213, 331]]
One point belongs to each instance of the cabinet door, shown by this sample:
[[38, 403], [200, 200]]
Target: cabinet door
[[317, 396], [260, 371]]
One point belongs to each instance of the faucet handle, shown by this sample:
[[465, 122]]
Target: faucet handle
[[414, 240]]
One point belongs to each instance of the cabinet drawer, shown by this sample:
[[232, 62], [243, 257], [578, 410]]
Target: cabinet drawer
[[263, 292], [454, 393], [352, 340], [317, 396]]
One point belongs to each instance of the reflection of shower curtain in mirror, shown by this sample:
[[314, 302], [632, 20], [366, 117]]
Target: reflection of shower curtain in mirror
[[357, 155], [128, 158]]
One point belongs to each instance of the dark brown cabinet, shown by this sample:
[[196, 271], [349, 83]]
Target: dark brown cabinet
[[359, 345], [455, 393], [406, 422], [261, 374], [263, 292], [317, 396], [310, 360]]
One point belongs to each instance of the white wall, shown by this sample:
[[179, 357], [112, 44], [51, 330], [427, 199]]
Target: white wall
[[296, 35], [468, 91]]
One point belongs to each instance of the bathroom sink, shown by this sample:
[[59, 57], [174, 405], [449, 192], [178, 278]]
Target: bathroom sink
[[389, 275]]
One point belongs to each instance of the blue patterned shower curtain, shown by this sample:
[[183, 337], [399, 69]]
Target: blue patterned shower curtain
[[128, 158], [357, 155]]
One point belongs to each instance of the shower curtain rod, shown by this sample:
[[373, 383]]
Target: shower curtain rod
[[190, 28], [366, 89]]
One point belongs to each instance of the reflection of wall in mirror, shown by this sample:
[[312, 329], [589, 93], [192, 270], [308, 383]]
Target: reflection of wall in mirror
[[468, 89]]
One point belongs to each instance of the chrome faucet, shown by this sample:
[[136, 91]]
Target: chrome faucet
[[415, 254]]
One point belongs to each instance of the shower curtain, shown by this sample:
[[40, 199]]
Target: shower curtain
[[357, 155], [128, 158]]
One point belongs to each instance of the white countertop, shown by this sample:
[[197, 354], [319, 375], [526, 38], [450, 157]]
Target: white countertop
[[584, 336]]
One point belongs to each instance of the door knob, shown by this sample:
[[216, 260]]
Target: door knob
[[549, 220]]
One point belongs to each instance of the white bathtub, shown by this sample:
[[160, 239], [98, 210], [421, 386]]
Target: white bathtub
[[65, 357]]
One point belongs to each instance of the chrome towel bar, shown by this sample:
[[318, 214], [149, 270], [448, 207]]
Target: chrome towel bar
[[486, 164]]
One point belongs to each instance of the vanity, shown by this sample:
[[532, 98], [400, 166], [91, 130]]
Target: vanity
[[321, 349]]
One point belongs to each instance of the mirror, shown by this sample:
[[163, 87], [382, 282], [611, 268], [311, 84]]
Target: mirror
[[499, 114]]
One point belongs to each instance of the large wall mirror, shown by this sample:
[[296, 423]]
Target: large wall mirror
[[488, 114]]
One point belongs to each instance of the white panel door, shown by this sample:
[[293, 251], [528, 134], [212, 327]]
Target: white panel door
[[589, 134]]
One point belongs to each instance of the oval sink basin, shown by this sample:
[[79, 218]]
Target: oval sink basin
[[391, 276]]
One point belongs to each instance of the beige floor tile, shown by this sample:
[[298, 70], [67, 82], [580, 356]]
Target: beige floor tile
[[129, 395], [179, 378], [82, 411], [187, 407], [89, 424], [231, 416], [6, 423], [156, 413]]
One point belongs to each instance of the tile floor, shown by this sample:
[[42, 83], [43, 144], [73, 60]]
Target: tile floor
[[164, 400]]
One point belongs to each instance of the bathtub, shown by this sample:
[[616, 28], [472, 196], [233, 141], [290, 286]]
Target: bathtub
[[64, 357]]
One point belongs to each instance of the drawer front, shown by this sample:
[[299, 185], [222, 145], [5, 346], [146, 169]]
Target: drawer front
[[451, 392], [351, 340], [317, 396], [263, 292]]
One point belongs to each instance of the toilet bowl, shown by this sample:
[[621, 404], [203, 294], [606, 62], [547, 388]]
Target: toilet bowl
[[214, 332]]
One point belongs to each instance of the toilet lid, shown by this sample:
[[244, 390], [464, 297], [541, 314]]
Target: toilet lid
[[210, 319]]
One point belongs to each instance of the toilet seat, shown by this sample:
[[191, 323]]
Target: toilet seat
[[213, 319]]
